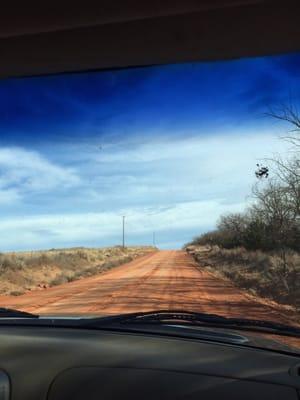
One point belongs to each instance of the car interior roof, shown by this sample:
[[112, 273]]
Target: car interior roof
[[38, 38]]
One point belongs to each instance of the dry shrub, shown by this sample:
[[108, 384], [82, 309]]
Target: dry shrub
[[30, 270], [17, 292], [261, 273], [58, 280]]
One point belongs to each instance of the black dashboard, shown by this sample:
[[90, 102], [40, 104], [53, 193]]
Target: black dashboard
[[61, 363]]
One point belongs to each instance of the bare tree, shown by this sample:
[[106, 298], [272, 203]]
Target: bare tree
[[233, 226], [287, 171], [288, 113]]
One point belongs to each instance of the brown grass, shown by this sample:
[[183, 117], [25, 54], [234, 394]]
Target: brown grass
[[260, 273], [24, 271]]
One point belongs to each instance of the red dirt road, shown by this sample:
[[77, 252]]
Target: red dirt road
[[160, 280]]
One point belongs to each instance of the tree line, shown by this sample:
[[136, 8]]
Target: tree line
[[272, 221]]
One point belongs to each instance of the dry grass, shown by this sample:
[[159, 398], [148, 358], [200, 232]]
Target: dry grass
[[258, 272], [24, 271]]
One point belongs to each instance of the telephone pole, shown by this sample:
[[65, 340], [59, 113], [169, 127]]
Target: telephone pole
[[154, 239], [123, 241]]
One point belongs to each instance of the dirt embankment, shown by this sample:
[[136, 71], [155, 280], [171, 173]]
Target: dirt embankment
[[22, 272], [261, 274]]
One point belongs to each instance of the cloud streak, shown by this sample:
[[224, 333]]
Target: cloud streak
[[76, 229], [24, 172], [175, 187]]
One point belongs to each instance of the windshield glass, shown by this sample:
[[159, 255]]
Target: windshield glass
[[173, 187]]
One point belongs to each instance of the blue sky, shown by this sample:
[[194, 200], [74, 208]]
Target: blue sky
[[171, 147]]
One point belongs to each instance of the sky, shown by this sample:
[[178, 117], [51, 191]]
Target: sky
[[170, 147]]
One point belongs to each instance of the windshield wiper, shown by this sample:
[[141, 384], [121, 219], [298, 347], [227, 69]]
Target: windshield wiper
[[11, 313], [168, 317]]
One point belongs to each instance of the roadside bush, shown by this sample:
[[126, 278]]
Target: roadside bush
[[17, 292], [26, 271], [259, 272], [59, 280]]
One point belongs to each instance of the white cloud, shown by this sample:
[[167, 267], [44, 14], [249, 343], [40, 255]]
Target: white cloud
[[168, 184], [179, 168], [23, 171], [9, 196], [51, 230], [191, 144]]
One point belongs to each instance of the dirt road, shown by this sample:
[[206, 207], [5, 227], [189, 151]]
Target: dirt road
[[161, 280]]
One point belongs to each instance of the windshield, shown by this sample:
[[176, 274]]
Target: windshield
[[173, 187]]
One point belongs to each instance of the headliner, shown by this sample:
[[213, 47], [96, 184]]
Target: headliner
[[39, 38]]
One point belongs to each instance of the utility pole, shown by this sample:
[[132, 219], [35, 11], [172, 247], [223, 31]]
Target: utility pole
[[154, 239], [123, 231]]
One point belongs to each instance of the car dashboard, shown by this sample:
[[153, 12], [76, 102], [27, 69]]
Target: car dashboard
[[61, 363]]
